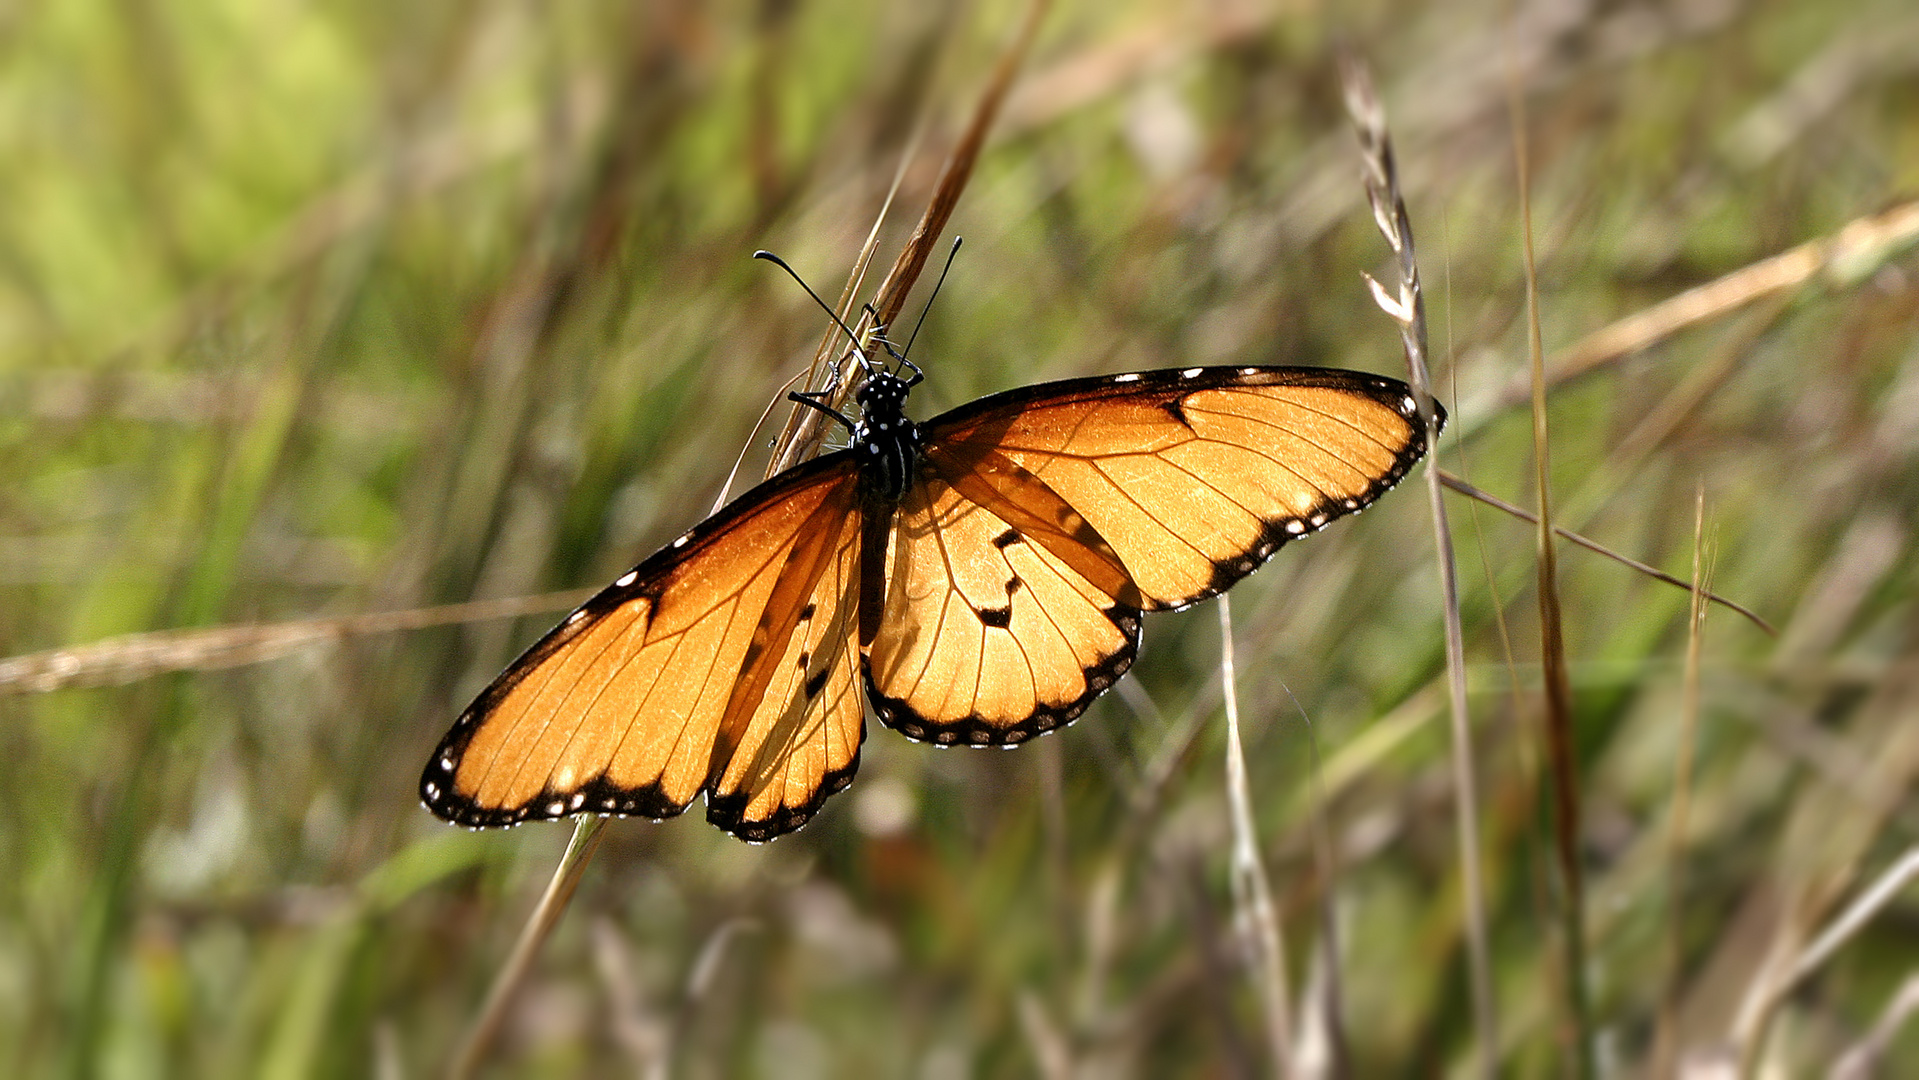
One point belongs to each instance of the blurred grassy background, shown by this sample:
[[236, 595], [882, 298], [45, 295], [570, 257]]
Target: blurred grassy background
[[315, 309]]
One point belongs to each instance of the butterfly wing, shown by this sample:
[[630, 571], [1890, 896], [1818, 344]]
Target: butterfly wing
[[723, 663], [1000, 620], [1196, 476], [1047, 517]]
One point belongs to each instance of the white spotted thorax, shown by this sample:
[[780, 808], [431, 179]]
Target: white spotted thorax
[[886, 441]]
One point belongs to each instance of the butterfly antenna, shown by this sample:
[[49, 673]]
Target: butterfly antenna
[[929, 301], [834, 315]]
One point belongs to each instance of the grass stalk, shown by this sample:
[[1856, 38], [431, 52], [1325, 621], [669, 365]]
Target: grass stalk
[[1665, 1042], [1497, 503], [1560, 746], [587, 832], [1252, 891], [1408, 308]]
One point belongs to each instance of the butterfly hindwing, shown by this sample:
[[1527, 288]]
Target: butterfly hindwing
[[1195, 477], [792, 730], [629, 705], [989, 635]]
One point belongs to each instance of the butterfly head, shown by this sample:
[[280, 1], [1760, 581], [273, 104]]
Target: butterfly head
[[883, 393]]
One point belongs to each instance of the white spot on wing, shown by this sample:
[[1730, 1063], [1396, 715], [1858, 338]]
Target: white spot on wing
[[1249, 371], [1191, 373], [628, 578], [1131, 376], [556, 808], [1408, 406], [680, 543], [575, 617]]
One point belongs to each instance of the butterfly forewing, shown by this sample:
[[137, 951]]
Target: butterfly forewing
[[1196, 477], [620, 708], [989, 637]]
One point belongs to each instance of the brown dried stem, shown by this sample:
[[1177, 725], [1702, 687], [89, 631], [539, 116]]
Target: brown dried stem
[[127, 658], [1845, 256], [1595, 546], [1560, 750]]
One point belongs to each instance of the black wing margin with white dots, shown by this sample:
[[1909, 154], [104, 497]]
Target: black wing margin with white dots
[[721, 664], [1194, 477]]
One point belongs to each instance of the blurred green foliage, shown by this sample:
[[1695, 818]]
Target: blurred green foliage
[[320, 309]]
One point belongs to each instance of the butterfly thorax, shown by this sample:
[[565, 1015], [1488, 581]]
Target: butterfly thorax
[[885, 439]]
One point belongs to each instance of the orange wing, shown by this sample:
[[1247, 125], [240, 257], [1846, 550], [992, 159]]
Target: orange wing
[[1000, 620], [722, 664], [1045, 519], [1195, 477]]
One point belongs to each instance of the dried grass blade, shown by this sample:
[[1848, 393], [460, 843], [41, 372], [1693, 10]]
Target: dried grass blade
[[1560, 745], [957, 170], [1252, 891], [1666, 1038], [587, 832], [1408, 308], [1523, 514], [805, 429], [1847, 255], [127, 658]]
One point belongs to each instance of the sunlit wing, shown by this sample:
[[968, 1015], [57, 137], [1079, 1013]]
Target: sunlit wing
[[796, 712], [722, 663], [1195, 477], [1000, 620]]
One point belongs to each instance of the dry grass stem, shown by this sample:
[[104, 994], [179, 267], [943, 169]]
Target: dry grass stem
[[1254, 915], [957, 170], [1560, 743], [1666, 1037], [1871, 902], [127, 658], [1845, 257], [588, 830], [805, 428], [1408, 308], [1523, 514]]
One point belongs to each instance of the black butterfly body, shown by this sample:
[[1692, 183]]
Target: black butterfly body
[[979, 579]]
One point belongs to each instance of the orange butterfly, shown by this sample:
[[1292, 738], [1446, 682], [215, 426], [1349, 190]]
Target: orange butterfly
[[982, 575]]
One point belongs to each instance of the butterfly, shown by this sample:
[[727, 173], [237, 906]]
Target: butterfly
[[977, 579]]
